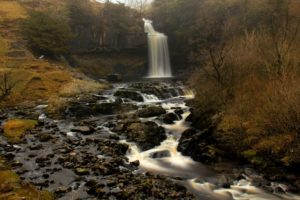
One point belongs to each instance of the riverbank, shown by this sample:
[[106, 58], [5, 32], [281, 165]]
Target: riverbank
[[122, 143], [204, 144]]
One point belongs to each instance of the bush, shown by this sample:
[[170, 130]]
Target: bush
[[47, 34]]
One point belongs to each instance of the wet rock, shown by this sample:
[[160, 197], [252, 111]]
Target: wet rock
[[129, 94], [85, 130], [16, 164], [61, 191], [106, 108], [151, 111], [198, 146], [114, 78], [79, 110], [146, 135], [160, 154], [82, 171], [122, 148], [45, 176], [91, 183], [9, 156], [45, 137], [36, 147], [179, 112], [169, 118], [135, 163]]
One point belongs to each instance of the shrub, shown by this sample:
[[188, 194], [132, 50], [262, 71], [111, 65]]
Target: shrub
[[15, 129], [47, 34]]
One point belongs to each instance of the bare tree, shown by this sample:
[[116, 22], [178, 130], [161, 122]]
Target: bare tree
[[139, 5], [284, 30], [6, 85]]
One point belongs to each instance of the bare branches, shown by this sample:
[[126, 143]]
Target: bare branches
[[6, 84]]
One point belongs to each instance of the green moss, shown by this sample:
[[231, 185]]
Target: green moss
[[15, 129], [251, 156]]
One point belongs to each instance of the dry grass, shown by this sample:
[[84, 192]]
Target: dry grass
[[15, 129], [72, 89], [3, 46], [12, 189], [11, 10]]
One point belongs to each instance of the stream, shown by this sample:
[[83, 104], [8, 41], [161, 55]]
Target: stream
[[88, 155]]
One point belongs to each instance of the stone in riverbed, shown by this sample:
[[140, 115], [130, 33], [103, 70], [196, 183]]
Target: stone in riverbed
[[151, 111], [160, 154], [82, 171], [45, 137], [61, 190], [147, 135], [169, 118], [114, 78], [129, 94], [85, 130], [198, 146], [135, 163]]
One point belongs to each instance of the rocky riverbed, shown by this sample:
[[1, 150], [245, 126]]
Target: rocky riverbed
[[124, 143]]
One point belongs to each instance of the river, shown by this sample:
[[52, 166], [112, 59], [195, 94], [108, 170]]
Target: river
[[90, 152]]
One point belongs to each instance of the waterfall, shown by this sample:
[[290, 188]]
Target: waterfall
[[159, 59]]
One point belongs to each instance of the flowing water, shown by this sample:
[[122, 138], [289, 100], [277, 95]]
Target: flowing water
[[198, 178], [159, 59]]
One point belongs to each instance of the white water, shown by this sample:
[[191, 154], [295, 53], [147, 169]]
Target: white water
[[196, 175], [159, 59]]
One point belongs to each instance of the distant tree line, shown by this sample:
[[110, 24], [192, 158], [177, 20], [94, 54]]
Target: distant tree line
[[82, 25]]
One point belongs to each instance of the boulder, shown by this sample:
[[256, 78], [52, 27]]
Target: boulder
[[82, 110], [85, 130], [160, 154], [106, 108], [129, 94], [198, 145], [169, 118], [82, 171], [151, 111], [146, 135], [179, 112], [79, 110], [114, 78], [45, 137]]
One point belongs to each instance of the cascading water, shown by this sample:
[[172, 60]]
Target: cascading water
[[159, 59], [199, 179]]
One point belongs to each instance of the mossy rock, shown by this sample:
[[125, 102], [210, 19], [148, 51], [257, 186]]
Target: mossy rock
[[15, 129]]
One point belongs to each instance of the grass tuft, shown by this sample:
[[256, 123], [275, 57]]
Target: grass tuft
[[15, 129]]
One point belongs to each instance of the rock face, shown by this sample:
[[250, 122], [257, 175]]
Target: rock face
[[151, 111], [129, 94], [146, 135], [198, 146]]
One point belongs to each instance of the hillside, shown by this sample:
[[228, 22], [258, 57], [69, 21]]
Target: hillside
[[36, 80]]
